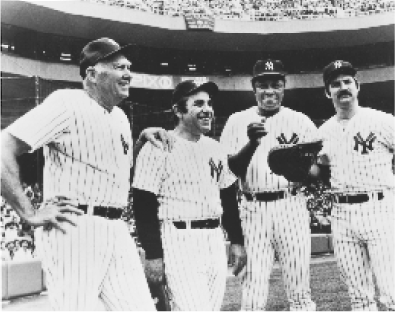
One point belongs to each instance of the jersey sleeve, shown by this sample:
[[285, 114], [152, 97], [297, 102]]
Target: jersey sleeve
[[310, 129], [228, 137], [227, 177], [149, 171], [45, 123], [323, 154], [388, 131]]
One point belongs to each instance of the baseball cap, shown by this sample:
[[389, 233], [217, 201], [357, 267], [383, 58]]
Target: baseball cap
[[98, 50], [189, 87], [336, 68], [268, 67]]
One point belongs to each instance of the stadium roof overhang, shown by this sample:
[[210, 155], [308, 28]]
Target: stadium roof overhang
[[89, 21]]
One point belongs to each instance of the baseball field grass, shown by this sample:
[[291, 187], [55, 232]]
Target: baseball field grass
[[328, 291]]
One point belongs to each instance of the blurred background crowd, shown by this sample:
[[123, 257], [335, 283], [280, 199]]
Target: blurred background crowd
[[17, 241], [258, 10]]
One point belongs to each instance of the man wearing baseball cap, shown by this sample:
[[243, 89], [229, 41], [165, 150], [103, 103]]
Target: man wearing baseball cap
[[86, 250], [359, 144], [179, 200], [275, 219]]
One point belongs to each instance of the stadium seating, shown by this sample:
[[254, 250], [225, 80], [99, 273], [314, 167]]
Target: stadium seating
[[257, 10]]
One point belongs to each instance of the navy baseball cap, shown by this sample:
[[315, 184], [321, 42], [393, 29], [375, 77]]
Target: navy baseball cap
[[336, 68], [189, 87], [267, 68], [97, 50]]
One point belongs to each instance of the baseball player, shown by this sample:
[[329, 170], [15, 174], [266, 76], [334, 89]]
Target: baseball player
[[177, 203], [86, 250], [274, 218], [359, 145]]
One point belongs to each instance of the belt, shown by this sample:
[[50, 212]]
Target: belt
[[357, 199], [265, 196], [197, 224], [103, 211]]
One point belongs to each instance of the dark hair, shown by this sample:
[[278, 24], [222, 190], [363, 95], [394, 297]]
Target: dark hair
[[182, 107], [330, 81]]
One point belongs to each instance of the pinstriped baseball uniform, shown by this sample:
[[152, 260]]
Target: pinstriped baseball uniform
[[88, 153], [360, 155], [279, 226], [187, 183]]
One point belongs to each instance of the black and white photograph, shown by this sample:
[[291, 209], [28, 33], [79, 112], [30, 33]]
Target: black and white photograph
[[186, 155]]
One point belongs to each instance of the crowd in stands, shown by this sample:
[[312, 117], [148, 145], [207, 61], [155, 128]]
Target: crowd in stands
[[257, 10], [17, 239]]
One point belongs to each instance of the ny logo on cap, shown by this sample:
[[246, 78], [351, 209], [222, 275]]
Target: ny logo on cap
[[269, 66], [338, 64]]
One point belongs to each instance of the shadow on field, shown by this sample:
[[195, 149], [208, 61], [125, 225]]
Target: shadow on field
[[328, 291]]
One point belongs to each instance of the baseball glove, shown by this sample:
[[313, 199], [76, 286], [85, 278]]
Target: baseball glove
[[293, 161]]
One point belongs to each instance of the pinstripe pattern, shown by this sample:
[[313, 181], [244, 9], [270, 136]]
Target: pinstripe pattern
[[353, 171], [363, 233], [364, 244], [269, 228], [284, 124], [196, 267], [98, 258], [275, 227], [88, 153], [84, 154], [188, 188]]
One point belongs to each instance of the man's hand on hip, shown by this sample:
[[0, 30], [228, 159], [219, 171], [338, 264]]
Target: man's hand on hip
[[52, 214]]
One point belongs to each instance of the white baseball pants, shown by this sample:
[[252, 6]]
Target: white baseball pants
[[364, 241], [95, 261], [280, 227], [196, 267]]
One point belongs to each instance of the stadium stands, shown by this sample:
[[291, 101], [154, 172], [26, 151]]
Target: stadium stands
[[257, 10]]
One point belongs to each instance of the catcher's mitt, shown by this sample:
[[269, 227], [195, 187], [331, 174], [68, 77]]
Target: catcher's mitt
[[293, 161]]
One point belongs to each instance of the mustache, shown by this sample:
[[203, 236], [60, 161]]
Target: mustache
[[341, 93]]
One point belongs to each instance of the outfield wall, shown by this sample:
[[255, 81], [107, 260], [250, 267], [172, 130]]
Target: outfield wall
[[24, 278]]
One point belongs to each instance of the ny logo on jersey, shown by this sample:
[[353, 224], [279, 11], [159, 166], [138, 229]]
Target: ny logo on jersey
[[269, 66], [366, 144], [124, 145], [283, 140], [215, 170]]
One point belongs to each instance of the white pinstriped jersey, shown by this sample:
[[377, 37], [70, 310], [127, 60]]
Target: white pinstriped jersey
[[287, 126], [187, 180], [87, 150], [360, 155]]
